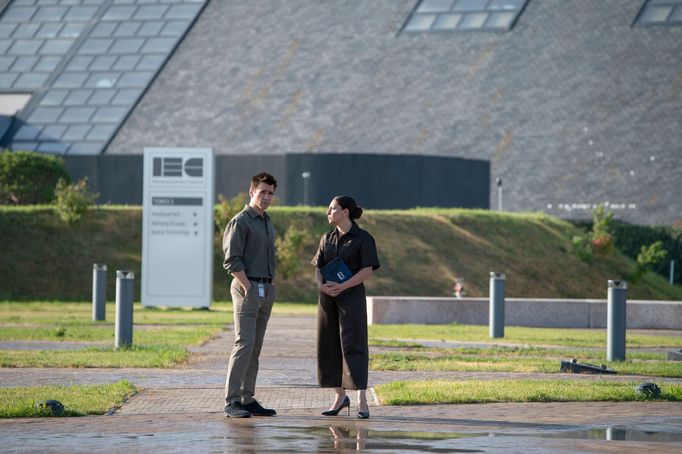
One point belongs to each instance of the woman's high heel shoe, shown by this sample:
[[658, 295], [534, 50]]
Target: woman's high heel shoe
[[363, 414], [335, 411]]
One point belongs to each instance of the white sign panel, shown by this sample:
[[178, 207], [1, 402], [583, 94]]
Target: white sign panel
[[177, 231]]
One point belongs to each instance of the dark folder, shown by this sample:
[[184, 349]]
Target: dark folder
[[336, 271]]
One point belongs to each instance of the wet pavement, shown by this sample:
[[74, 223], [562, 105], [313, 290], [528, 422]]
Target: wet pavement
[[180, 410]]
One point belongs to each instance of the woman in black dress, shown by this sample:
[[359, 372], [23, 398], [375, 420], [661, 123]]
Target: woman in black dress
[[342, 351]]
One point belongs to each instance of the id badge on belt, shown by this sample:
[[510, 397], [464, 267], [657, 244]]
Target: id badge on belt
[[261, 291]]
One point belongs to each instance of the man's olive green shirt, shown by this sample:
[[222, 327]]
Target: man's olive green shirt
[[249, 244]]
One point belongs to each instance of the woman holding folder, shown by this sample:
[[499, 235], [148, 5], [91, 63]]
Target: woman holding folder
[[347, 256]]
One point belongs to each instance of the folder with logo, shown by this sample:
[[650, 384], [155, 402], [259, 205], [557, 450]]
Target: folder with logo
[[336, 271]]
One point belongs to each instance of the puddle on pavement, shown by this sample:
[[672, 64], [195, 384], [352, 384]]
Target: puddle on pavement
[[617, 434], [256, 437], [357, 438], [343, 437]]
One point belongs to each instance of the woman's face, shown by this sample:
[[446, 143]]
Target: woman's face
[[336, 213]]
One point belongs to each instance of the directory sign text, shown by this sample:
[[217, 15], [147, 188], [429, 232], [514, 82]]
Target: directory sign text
[[177, 232]]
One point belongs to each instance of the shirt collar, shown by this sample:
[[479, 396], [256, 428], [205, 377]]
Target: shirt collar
[[253, 214], [354, 230]]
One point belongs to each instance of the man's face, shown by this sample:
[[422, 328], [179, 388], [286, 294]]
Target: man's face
[[261, 196]]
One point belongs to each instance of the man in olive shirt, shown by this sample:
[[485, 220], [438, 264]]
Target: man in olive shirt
[[249, 246]]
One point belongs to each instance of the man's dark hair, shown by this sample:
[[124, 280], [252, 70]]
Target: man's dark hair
[[263, 177]]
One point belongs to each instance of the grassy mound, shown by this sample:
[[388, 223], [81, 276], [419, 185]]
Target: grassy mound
[[421, 251]]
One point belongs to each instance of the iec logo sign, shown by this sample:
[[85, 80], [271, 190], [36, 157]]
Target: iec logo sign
[[173, 167]]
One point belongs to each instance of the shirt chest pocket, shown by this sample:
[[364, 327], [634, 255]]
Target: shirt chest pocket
[[349, 252]]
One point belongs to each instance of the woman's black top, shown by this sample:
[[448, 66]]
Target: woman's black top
[[357, 248]]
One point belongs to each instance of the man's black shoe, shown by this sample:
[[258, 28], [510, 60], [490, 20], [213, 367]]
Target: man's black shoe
[[256, 410], [236, 410]]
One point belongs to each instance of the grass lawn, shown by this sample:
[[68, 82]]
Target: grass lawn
[[95, 332], [518, 335], [534, 354], [477, 391], [68, 313], [520, 360], [160, 336], [57, 313], [293, 309], [20, 402], [137, 356]]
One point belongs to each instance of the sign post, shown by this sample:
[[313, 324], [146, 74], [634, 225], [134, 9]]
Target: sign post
[[177, 230]]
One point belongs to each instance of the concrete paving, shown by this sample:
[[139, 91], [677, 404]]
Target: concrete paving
[[180, 410]]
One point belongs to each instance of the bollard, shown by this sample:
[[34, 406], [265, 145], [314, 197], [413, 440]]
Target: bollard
[[99, 291], [616, 321], [496, 304], [672, 271], [125, 292], [614, 434]]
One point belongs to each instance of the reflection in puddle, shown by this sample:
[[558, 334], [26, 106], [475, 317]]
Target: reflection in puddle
[[360, 438], [258, 436], [617, 434], [344, 438]]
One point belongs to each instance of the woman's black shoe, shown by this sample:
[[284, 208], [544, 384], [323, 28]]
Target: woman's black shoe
[[363, 414], [334, 412]]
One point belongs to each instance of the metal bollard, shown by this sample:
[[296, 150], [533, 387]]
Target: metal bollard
[[613, 434], [125, 292], [496, 304], [99, 291], [616, 319], [672, 271]]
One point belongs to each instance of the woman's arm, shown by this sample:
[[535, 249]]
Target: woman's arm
[[320, 280], [333, 289], [321, 286]]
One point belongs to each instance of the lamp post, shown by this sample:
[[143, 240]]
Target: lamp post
[[498, 181], [306, 178]]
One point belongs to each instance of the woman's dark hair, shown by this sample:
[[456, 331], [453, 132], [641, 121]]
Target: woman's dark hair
[[348, 203]]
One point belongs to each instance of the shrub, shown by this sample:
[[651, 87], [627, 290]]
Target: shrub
[[73, 200], [227, 209], [631, 238], [652, 255], [648, 257], [602, 230], [289, 247], [582, 248], [27, 177]]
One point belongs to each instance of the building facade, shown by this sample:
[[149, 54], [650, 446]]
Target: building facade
[[573, 103]]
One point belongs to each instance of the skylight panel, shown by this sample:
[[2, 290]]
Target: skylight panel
[[459, 15], [660, 12]]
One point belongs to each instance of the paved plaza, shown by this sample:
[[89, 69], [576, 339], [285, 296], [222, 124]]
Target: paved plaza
[[180, 410]]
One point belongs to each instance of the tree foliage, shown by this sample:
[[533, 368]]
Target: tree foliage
[[73, 200], [228, 208], [27, 177]]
